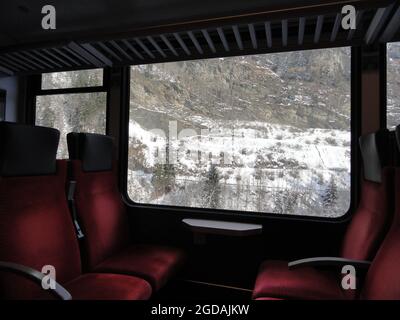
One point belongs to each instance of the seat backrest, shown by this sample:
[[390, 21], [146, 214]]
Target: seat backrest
[[383, 278], [372, 218], [99, 205], [35, 224]]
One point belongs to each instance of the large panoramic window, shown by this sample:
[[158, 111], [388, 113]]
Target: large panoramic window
[[393, 85], [264, 133], [69, 111]]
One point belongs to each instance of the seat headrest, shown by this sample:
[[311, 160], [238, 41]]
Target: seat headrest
[[27, 150], [94, 150], [377, 150]]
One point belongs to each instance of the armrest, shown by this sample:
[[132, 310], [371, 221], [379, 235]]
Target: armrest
[[328, 261], [31, 274]]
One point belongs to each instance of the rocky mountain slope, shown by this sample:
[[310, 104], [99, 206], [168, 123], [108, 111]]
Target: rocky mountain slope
[[308, 89], [268, 133]]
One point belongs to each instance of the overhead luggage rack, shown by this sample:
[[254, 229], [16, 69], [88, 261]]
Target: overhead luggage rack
[[248, 34]]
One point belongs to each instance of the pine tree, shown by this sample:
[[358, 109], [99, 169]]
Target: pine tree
[[330, 195], [163, 178], [212, 187], [286, 200]]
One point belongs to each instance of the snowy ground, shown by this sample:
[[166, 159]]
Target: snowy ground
[[261, 167]]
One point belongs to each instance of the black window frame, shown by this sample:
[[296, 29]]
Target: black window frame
[[355, 132], [35, 90]]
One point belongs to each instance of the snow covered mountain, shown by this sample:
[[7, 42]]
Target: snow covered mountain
[[264, 133]]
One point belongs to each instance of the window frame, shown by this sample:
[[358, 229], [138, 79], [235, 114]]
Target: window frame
[[355, 131], [35, 90]]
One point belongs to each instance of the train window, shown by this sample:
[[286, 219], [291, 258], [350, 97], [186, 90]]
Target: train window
[[393, 85], [261, 133], [72, 79], [71, 111]]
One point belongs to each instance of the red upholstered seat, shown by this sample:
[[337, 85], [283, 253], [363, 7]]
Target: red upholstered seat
[[36, 230], [101, 212], [35, 224], [364, 234], [276, 280], [104, 218], [360, 244], [383, 278], [104, 286], [156, 264]]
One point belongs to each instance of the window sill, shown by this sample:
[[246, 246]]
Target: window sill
[[200, 226]]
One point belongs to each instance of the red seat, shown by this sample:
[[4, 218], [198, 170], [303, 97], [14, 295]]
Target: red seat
[[35, 224], [103, 286], [156, 264], [383, 278], [104, 219], [276, 280], [362, 239]]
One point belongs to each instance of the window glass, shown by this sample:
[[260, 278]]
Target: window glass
[[393, 85], [263, 133], [83, 112], [72, 79]]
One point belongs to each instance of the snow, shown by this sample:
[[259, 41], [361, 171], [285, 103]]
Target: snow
[[292, 159]]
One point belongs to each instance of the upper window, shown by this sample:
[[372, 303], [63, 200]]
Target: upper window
[[264, 133], [72, 79], [393, 85], [70, 111]]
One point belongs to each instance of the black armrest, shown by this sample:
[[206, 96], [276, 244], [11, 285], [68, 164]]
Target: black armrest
[[328, 261], [31, 274]]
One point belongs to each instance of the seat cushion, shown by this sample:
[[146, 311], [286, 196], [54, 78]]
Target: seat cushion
[[156, 264], [276, 280], [103, 286]]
